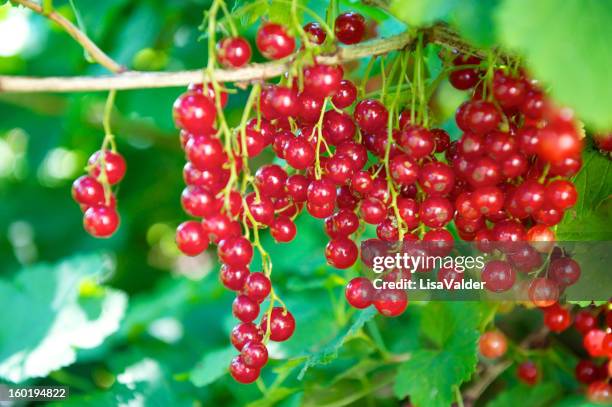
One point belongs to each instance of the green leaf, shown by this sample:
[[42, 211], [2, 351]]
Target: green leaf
[[55, 309], [474, 20], [584, 304], [330, 352], [212, 366], [430, 375], [421, 12], [273, 397], [571, 55], [590, 218], [528, 396]]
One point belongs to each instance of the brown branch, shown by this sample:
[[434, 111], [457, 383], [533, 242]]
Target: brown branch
[[140, 80], [92, 49]]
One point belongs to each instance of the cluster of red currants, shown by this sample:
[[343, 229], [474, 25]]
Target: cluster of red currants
[[596, 331], [276, 197], [94, 193]]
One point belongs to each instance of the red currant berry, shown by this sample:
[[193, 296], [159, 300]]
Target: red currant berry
[[593, 342], [270, 180], [482, 117], [114, 165], [299, 153], [586, 371], [100, 221], [88, 191], [205, 152], [321, 81], [371, 115], [557, 319], [584, 322], [282, 324], [493, 344], [241, 372], [350, 28], [257, 286], [528, 373], [417, 141], [437, 179], [283, 229], [316, 33], [244, 333], [195, 113], [254, 355], [498, 276], [390, 303], [191, 238], [337, 127], [341, 252], [235, 251], [273, 41], [345, 95], [360, 292], [233, 278], [561, 194], [245, 309], [565, 271], [233, 52], [436, 212]]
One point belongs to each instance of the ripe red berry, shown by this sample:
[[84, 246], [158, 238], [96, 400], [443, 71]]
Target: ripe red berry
[[273, 41], [195, 113], [271, 179], [321, 81], [345, 95], [282, 324], [492, 344], [584, 322], [299, 153], [600, 392], [390, 303], [114, 165], [257, 286], [437, 179], [593, 342], [509, 92], [283, 229], [371, 115], [234, 52], [100, 221], [349, 28], [321, 192], [315, 33], [436, 212], [565, 271], [199, 202], [417, 141], [241, 372], [543, 292], [338, 127], [245, 309], [586, 371], [191, 238], [404, 169], [87, 191], [341, 252], [359, 292], [235, 251], [254, 355], [205, 152], [558, 142], [557, 319], [373, 211], [244, 333], [233, 278], [528, 373], [482, 117], [498, 276], [561, 193]]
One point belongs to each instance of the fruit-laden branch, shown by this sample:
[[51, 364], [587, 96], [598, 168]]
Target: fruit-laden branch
[[79, 36], [139, 80]]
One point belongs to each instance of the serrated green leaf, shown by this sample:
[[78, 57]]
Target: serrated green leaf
[[53, 313], [212, 366], [571, 55], [528, 396], [330, 352], [584, 304], [430, 375], [590, 218]]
